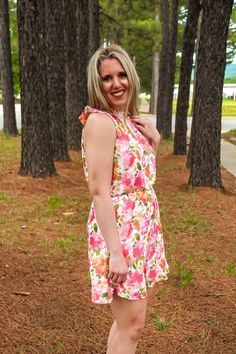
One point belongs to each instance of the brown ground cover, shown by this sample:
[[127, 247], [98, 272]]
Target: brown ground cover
[[45, 302]]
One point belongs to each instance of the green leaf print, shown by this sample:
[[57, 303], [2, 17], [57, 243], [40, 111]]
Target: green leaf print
[[139, 165], [95, 227]]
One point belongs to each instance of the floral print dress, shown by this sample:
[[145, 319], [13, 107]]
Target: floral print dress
[[137, 215]]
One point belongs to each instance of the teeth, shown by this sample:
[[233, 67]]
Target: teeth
[[118, 94]]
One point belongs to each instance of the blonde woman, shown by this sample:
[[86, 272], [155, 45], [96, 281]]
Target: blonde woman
[[125, 242]]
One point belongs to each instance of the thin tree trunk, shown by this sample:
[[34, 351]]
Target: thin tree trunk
[[155, 74], [54, 22], [196, 58], [9, 117], [36, 157], [206, 125], [162, 83], [190, 34], [167, 122], [155, 80], [167, 67]]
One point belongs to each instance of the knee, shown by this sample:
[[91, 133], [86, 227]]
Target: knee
[[136, 329]]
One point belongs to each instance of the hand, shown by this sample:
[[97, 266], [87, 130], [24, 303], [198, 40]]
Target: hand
[[145, 126], [118, 268]]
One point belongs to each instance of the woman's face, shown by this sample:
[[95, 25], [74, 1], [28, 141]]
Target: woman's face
[[114, 82]]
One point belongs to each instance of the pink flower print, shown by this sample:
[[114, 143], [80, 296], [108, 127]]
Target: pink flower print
[[138, 251], [129, 204], [135, 277], [139, 181], [145, 226], [152, 274], [126, 180], [128, 160], [95, 243], [126, 230]]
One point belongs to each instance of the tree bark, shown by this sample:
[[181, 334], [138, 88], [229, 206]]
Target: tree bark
[[167, 67], [9, 117], [155, 81], [167, 122], [54, 22], [82, 16], [81, 41], [36, 157], [163, 73], [93, 26], [71, 66], [155, 74], [190, 34], [206, 125]]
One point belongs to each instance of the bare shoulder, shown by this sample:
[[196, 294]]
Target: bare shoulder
[[99, 121], [100, 125]]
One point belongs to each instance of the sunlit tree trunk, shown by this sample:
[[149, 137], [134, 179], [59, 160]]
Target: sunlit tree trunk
[[206, 125]]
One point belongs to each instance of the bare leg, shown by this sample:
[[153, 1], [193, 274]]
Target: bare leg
[[127, 328]]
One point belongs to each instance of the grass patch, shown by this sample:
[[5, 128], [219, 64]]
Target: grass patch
[[55, 202], [69, 245], [160, 324], [228, 107], [191, 222], [183, 275], [231, 269], [4, 197]]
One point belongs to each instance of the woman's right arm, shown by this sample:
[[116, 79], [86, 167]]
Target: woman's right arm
[[99, 139]]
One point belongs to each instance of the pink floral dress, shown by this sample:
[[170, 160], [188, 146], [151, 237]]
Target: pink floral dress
[[137, 215]]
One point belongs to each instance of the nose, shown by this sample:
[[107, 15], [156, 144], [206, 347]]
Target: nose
[[116, 82]]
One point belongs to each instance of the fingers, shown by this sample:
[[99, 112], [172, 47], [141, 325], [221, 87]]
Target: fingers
[[117, 278]]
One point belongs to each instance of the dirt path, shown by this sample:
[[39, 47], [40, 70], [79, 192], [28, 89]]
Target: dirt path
[[44, 285]]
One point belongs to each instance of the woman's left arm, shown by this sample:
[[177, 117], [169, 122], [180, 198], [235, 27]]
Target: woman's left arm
[[145, 126]]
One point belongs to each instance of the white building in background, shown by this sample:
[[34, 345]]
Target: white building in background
[[229, 91]]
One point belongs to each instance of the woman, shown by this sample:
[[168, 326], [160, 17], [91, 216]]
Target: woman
[[125, 244]]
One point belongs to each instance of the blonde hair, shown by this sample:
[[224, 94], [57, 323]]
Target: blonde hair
[[95, 94]]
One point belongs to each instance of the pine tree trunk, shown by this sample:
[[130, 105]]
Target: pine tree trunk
[[54, 22], [163, 73], [82, 16], [206, 125], [167, 67], [37, 157], [93, 26], [155, 74], [71, 65], [155, 80], [190, 34], [167, 122], [9, 117]]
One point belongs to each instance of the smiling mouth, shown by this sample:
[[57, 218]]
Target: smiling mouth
[[118, 93]]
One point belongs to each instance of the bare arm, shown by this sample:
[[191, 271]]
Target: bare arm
[[99, 138]]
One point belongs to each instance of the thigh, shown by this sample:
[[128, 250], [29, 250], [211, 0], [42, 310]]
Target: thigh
[[127, 312]]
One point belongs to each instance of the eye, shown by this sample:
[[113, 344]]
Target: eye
[[106, 78], [123, 74]]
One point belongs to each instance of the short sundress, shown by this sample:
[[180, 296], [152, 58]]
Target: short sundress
[[137, 215]]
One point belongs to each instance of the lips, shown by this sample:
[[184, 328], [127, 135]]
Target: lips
[[118, 94]]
